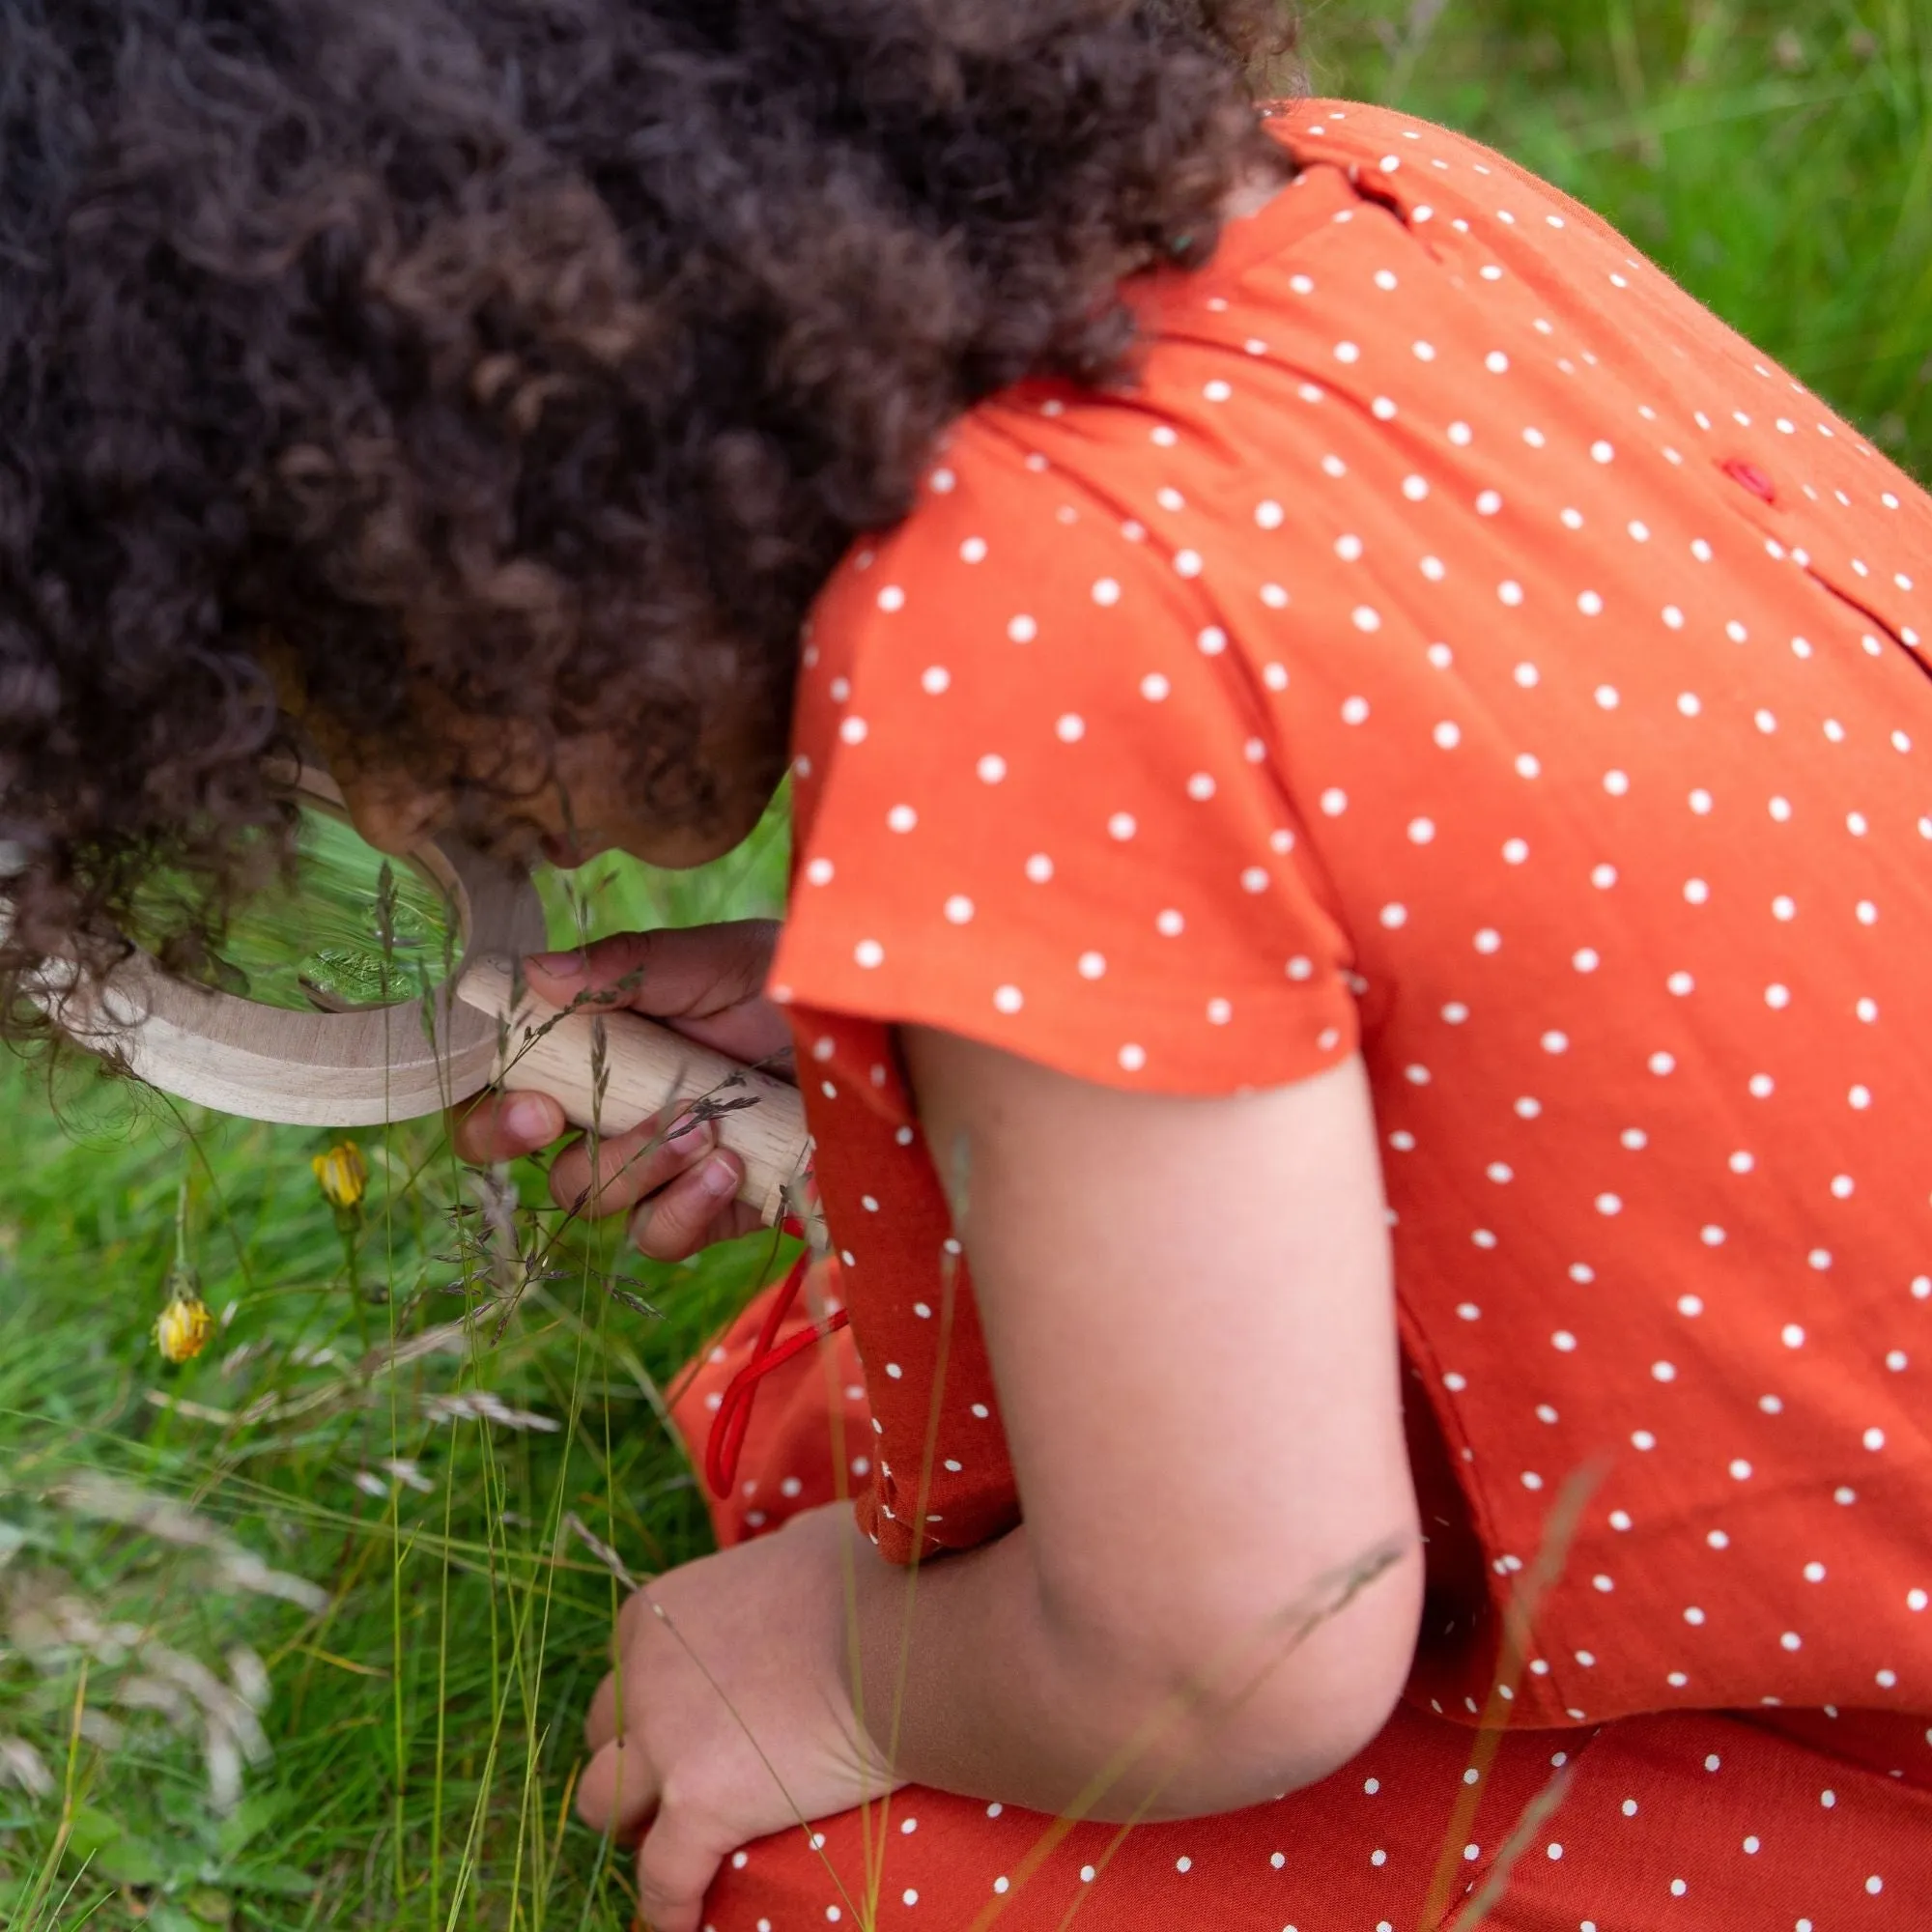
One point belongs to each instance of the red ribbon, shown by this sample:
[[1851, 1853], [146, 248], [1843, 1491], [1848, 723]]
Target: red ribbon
[[726, 1443]]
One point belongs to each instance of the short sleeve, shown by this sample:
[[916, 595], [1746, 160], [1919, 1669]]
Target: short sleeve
[[1038, 804]]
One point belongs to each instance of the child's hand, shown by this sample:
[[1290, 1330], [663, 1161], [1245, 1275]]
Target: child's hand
[[736, 1717], [706, 983]]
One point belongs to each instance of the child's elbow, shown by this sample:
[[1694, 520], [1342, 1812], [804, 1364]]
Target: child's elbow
[[1263, 1702], [1326, 1700], [1323, 1712]]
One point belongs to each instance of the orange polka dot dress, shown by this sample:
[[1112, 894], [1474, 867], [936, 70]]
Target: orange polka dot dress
[[1461, 650]]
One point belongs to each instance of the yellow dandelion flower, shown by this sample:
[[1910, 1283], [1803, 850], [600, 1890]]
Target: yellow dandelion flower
[[184, 1324], [344, 1176]]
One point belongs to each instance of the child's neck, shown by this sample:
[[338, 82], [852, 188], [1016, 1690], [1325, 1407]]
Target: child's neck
[[1252, 193]]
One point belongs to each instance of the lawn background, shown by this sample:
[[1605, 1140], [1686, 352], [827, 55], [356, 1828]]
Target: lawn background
[[421, 1732]]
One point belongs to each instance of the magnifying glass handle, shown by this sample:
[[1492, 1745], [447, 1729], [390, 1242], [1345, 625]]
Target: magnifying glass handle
[[638, 1070]]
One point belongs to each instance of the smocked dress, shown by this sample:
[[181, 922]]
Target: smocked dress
[[1459, 649]]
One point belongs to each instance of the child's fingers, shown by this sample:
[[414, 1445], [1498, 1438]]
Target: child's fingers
[[676, 1862], [607, 1176], [600, 1722], [676, 972], [692, 1212], [618, 1793], [504, 1127]]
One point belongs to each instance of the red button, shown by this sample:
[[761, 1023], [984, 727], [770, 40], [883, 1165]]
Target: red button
[[1752, 477]]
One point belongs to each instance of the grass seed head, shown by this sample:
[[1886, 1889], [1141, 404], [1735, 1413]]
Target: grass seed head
[[21, 1765]]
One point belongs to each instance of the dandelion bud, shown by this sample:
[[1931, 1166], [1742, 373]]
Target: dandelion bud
[[344, 1176], [184, 1324]]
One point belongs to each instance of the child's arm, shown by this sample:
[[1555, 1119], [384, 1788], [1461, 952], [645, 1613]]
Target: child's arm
[[1190, 1316]]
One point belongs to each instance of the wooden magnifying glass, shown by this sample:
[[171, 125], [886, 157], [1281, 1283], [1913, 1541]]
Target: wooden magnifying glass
[[397, 1060]]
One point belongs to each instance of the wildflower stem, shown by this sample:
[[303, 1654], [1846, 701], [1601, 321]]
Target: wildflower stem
[[352, 1262]]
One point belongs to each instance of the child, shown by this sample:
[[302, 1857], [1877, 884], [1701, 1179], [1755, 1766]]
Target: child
[[1362, 849]]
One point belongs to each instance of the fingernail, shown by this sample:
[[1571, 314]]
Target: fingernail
[[530, 1117], [718, 1177], [559, 965]]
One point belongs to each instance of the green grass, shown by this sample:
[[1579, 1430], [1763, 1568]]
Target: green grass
[[420, 1732], [428, 1697]]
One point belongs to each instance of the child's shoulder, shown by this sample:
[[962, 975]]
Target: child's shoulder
[[1414, 164], [1040, 553]]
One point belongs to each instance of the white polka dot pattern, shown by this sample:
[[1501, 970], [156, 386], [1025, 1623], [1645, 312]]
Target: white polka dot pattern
[[1579, 777], [1708, 1809]]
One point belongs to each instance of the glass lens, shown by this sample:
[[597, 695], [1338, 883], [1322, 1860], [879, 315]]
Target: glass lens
[[354, 929]]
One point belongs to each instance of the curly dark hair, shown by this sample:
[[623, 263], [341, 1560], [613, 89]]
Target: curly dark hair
[[533, 359]]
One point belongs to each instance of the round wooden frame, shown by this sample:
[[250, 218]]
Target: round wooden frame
[[611, 1070], [357, 1069]]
